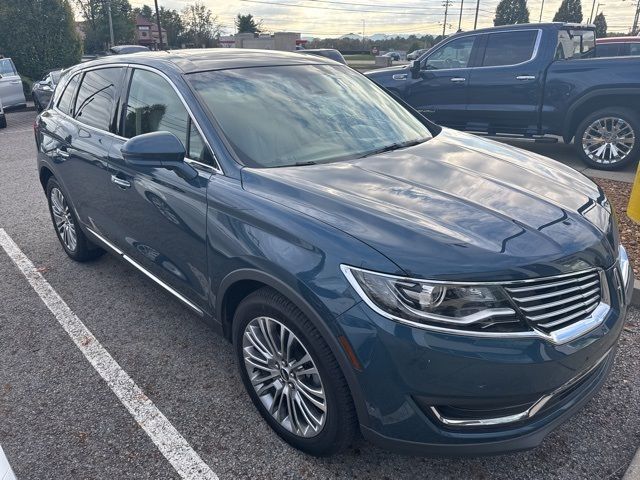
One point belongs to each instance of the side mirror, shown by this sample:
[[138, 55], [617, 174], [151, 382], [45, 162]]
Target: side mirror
[[415, 69], [158, 150]]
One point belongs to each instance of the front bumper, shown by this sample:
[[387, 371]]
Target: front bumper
[[432, 393]]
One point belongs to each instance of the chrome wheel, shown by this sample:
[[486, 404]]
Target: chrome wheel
[[284, 376], [608, 140], [63, 220]]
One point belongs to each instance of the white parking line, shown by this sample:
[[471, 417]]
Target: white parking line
[[171, 444], [5, 469]]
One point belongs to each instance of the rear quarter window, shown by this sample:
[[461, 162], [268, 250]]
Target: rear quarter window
[[96, 97]]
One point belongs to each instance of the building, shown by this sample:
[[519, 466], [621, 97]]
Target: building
[[147, 33], [285, 41]]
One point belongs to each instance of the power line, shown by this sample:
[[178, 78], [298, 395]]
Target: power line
[[265, 2]]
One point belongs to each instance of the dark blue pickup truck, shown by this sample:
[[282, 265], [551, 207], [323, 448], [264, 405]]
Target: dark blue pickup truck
[[529, 80]]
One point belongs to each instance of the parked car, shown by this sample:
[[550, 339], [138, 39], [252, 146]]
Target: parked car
[[617, 46], [124, 49], [3, 118], [416, 54], [11, 92], [440, 292], [325, 52], [395, 56], [529, 80], [42, 90]]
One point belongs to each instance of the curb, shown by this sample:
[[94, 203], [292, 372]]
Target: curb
[[633, 472], [635, 300]]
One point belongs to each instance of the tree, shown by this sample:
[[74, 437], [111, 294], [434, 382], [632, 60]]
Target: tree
[[247, 24], [172, 22], [201, 26], [569, 11], [96, 23], [601, 25], [509, 12], [146, 11], [39, 35]]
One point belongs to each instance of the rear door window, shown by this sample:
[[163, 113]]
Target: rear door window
[[96, 97], [65, 103], [509, 48], [6, 67], [634, 49]]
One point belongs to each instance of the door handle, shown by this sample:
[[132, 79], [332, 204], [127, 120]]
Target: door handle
[[458, 79], [62, 153], [120, 182], [526, 77]]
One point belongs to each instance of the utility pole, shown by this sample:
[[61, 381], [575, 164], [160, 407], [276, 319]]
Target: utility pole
[[593, 6], [445, 4], [110, 23], [159, 27], [542, 8], [460, 18], [634, 29], [475, 22], [363, 24]]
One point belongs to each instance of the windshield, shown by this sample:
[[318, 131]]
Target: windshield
[[291, 115]]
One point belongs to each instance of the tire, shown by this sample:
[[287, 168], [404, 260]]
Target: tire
[[80, 250], [335, 430], [600, 126], [3, 121]]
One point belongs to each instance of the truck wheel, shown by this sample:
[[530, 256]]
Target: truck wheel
[[608, 139]]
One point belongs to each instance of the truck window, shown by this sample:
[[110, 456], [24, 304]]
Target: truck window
[[575, 44], [608, 50], [509, 48], [455, 54]]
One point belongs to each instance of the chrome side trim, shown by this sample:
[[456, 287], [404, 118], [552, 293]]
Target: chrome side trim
[[516, 417], [534, 54], [557, 337], [150, 275]]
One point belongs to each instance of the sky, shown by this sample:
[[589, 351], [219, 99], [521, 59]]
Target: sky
[[333, 18]]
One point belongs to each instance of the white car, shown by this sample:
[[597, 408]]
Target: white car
[[11, 92]]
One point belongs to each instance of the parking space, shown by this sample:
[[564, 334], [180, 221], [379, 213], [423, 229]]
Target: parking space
[[60, 419]]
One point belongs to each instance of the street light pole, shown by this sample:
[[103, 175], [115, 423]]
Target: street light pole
[[110, 23], [475, 22], [159, 27], [634, 29], [363, 24], [446, 12], [593, 6], [460, 18], [542, 8]]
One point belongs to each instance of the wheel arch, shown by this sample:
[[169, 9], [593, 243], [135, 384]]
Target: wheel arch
[[239, 284], [45, 174], [627, 98]]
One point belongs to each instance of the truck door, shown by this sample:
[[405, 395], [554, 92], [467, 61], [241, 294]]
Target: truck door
[[441, 91], [505, 89]]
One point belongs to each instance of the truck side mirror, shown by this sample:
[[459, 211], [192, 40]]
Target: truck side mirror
[[415, 69]]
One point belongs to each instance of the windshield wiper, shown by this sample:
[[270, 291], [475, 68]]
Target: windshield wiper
[[390, 148]]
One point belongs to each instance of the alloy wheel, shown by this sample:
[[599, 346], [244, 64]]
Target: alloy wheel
[[284, 376], [608, 140], [63, 220]]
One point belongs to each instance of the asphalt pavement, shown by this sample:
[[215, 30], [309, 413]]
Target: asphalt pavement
[[59, 418]]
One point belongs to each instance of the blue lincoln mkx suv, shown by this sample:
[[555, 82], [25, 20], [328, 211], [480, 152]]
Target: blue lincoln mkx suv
[[376, 273]]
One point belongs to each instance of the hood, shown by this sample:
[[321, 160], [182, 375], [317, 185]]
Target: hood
[[455, 207]]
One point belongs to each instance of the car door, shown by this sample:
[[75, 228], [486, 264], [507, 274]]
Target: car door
[[441, 90], [161, 217], [505, 89], [11, 91], [85, 139]]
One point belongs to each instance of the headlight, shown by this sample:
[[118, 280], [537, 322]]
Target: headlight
[[450, 305], [625, 266]]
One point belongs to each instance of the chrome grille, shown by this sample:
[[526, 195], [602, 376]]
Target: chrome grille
[[555, 302]]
